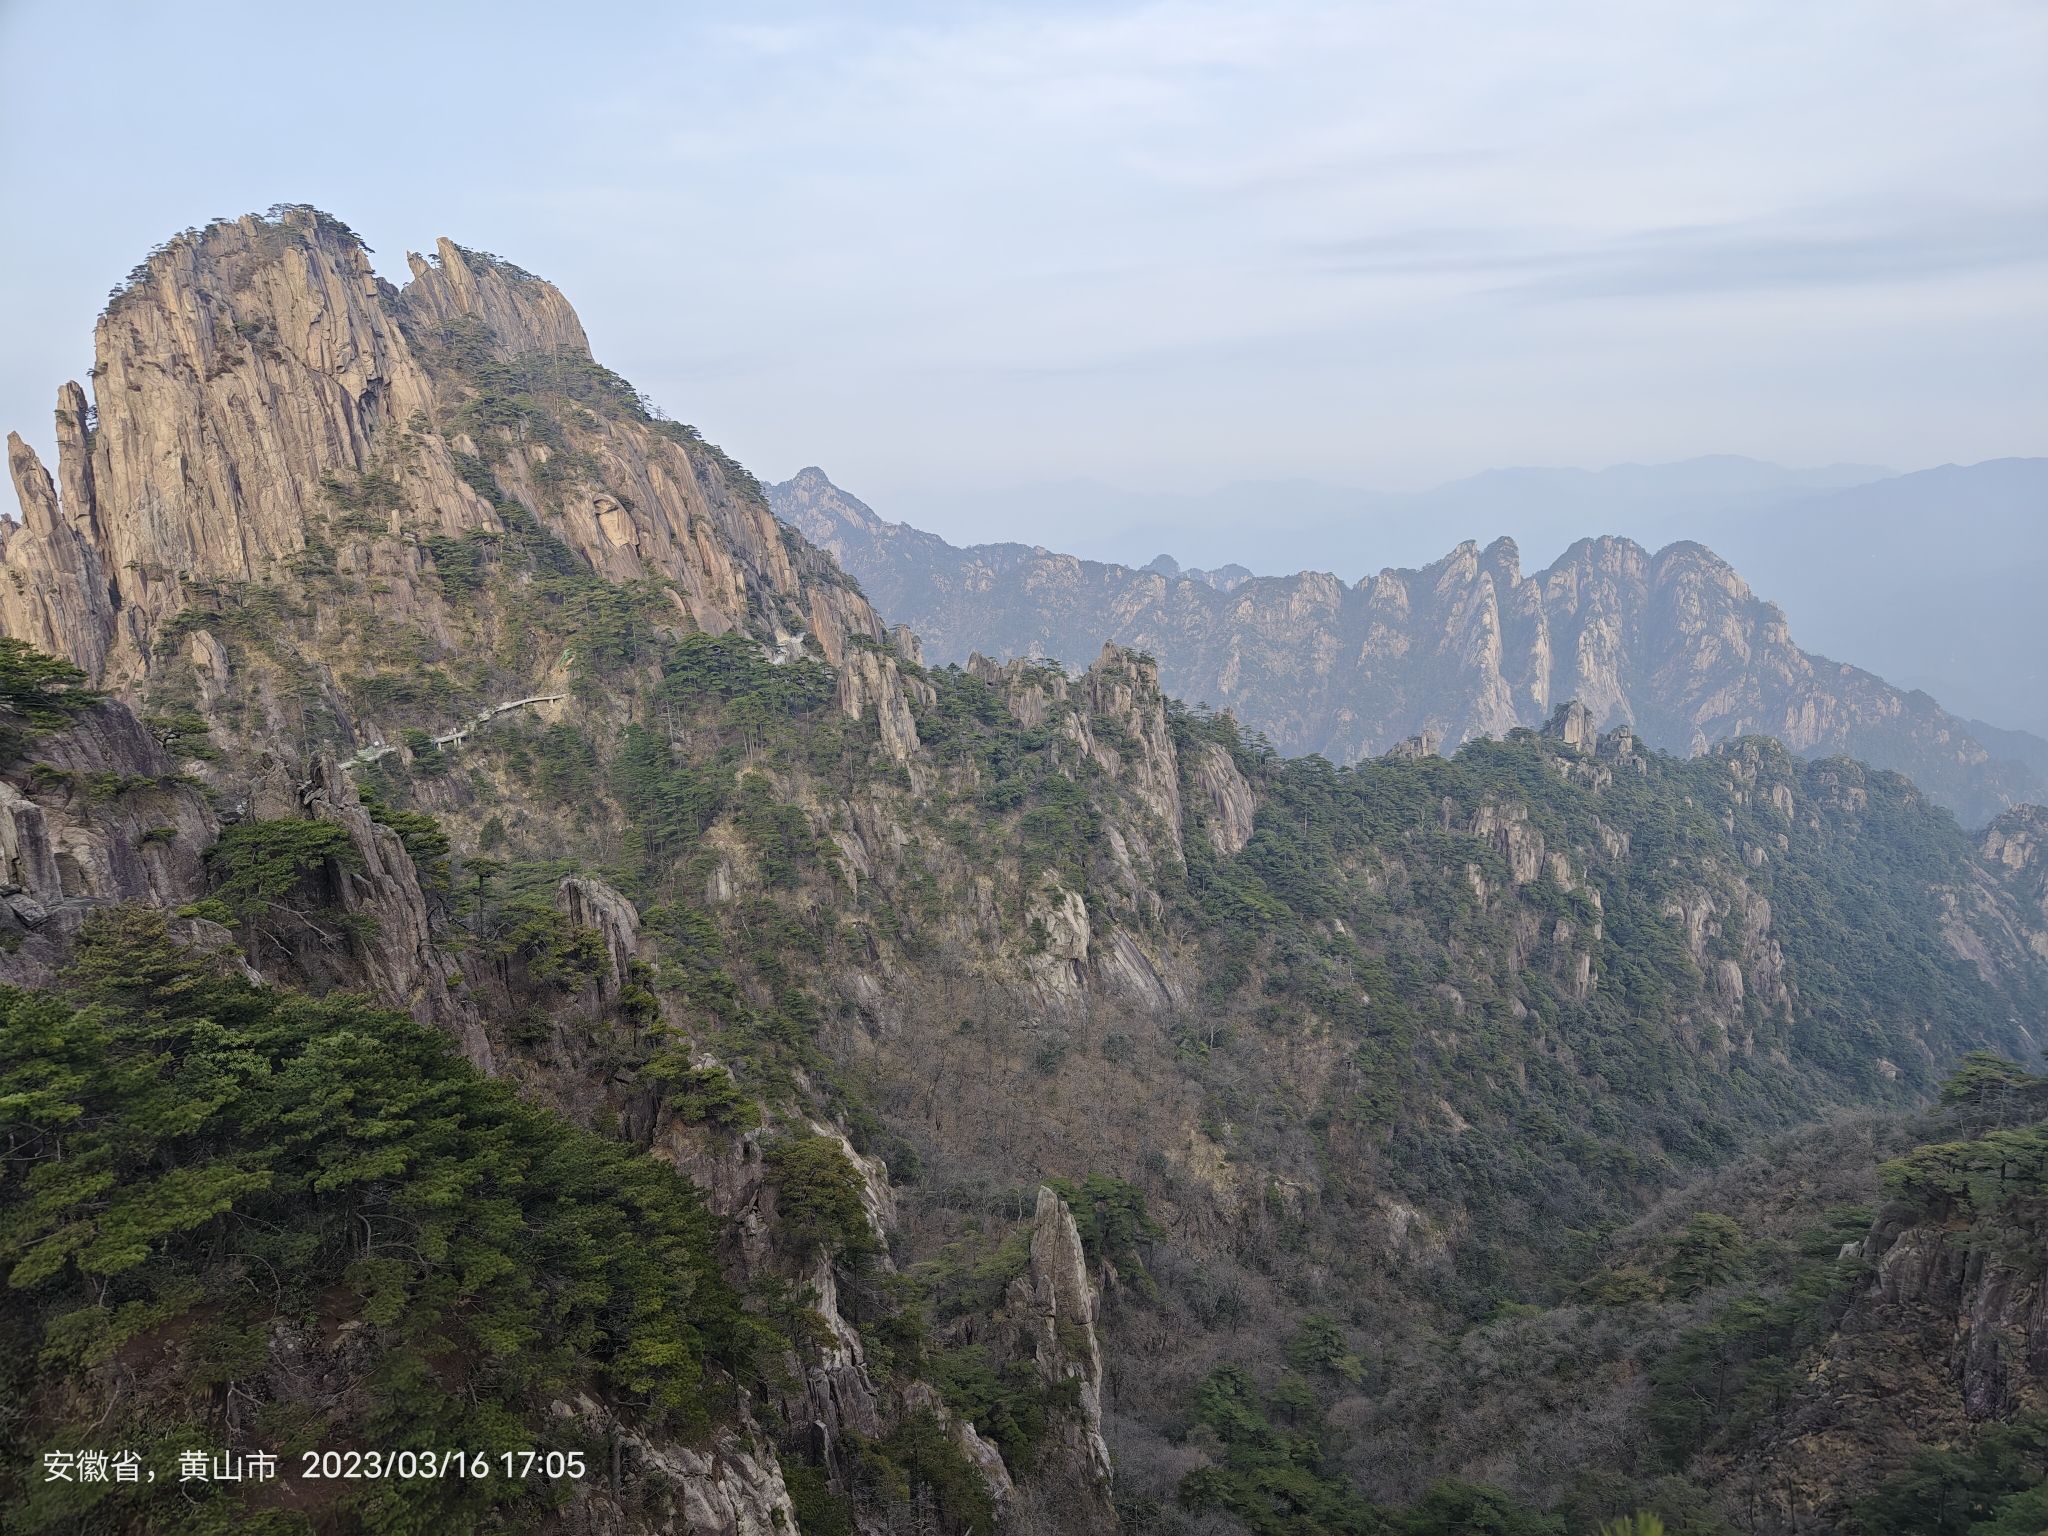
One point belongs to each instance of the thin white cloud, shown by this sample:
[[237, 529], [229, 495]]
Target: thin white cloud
[[1164, 241]]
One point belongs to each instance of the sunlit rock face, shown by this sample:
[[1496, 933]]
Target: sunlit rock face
[[256, 382]]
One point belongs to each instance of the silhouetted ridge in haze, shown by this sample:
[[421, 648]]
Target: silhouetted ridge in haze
[[1672, 642]]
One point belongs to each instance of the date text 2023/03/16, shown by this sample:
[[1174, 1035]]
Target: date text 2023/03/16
[[127, 1466]]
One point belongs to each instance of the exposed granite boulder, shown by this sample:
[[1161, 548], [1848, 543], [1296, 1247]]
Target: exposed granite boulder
[[1058, 1306], [591, 903]]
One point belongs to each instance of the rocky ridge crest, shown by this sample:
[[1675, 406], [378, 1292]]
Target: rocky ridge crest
[[1672, 642], [264, 405]]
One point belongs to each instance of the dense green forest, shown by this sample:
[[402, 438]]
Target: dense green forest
[[198, 1165]]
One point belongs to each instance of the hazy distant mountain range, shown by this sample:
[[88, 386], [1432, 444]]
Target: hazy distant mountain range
[[1284, 525], [1673, 642], [1933, 579]]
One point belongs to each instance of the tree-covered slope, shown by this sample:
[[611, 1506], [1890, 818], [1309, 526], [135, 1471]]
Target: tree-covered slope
[[238, 1216]]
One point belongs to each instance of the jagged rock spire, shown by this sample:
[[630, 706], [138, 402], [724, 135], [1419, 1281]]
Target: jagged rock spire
[[1572, 724], [254, 369], [523, 313]]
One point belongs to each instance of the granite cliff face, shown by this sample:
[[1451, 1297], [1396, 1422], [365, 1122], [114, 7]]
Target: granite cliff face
[[67, 845], [1946, 1333], [266, 409], [1672, 643], [268, 540], [2016, 846]]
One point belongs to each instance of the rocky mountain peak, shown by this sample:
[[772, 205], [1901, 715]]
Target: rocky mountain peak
[[1503, 560], [262, 398], [1689, 560], [1459, 568], [817, 507], [239, 364], [1608, 555], [1672, 643], [523, 313]]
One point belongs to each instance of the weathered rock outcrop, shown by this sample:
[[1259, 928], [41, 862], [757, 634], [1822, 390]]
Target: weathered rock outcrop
[[1573, 725], [869, 680], [55, 593], [1228, 804], [1114, 711], [1111, 720], [831, 1394], [732, 1486], [1946, 1333], [1671, 642], [1414, 748], [591, 903], [2015, 848], [258, 382], [1058, 1306], [1121, 692], [393, 953], [523, 314], [97, 815], [26, 860]]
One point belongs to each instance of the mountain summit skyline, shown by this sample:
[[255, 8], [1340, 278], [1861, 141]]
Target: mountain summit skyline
[[1931, 577], [1670, 639], [1280, 525]]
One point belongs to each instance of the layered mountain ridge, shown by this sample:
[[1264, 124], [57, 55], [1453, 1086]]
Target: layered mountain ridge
[[1671, 642], [616, 995]]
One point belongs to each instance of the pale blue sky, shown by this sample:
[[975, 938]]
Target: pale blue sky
[[1163, 245]]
